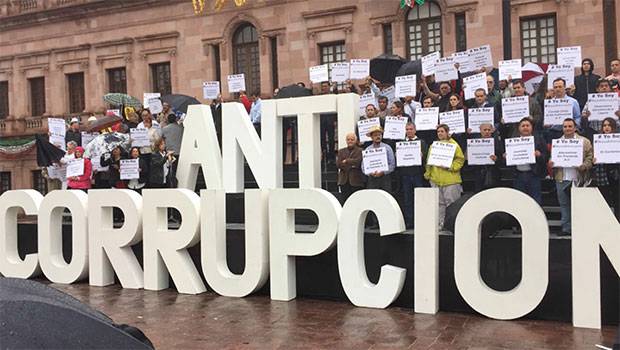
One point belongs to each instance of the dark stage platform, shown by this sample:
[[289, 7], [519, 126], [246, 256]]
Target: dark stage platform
[[317, 277]]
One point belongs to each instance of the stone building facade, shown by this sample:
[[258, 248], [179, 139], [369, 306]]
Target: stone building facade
[[58, 57]]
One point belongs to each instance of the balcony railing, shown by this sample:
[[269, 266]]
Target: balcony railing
[[12, 126], [18, 7]]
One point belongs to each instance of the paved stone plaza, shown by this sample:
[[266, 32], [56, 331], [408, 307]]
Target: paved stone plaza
[[208, 321]]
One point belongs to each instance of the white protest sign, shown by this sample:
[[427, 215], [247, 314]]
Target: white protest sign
[[510, 68], [556, 110], [463, 59], [155, 105], [87, 137], [139, 137], [567, 153], [570, 56], [515, 108], [363, 126], [236, 82], [319, 74], [147, 96], [565, 72], [520, 150], [95, 162], [428, 63], [607, 148], [57, 172], [375, 159], [390, 93], [360, 68], [480, 57], [75, 167], [445, 70], [479, 116], [210, 89], [479, 151], [116, 112], [57, 129], [130, 169], [405, 86], [365, 100], [395, 128], [473, 83], [426, 118], [340, 72], [603, 105], [408, 153], [454, 119], [441, 154]]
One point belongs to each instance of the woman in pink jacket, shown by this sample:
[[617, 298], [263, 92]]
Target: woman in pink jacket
[[81, 182]]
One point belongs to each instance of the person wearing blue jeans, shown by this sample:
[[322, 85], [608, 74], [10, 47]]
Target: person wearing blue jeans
[[411, 176], [528, 177], [566, 176]]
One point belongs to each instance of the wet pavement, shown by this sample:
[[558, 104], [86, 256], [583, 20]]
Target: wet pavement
[[209, 321]]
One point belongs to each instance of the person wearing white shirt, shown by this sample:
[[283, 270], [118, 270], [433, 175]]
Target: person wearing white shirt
[[71, 145], [146, 115], [255, 110]]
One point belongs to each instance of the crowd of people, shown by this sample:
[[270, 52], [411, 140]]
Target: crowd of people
[[157, 160], [528, 178]]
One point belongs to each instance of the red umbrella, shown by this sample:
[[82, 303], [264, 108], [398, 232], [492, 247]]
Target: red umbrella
[[532, 75]]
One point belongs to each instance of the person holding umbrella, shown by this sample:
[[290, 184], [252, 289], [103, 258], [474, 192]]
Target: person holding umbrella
[[81, 182]]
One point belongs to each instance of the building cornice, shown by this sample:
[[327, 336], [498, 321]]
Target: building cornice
[[329, 12]]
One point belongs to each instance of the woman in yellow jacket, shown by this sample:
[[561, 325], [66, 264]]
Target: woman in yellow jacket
[[447, 180]]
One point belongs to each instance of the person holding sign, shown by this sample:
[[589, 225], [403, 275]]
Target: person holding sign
[[456, 104], [508, 129], [349, 160], [446, 179], [485, 175], [606, 176], [591, 126], [161, 162], [566, 176], [586, 82], [528, 177], [139, 183], [379, 179], [559, 92], [80, 182], [411, 176], [112, 160]]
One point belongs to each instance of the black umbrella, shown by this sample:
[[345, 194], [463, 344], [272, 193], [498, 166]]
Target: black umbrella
[[293, 90], [36, 316], [385, 66], [180, 102], [490, 225], [47, 153], [409, 68]]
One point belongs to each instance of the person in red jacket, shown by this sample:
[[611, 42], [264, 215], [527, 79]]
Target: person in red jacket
[[81, 182], [243, 98]]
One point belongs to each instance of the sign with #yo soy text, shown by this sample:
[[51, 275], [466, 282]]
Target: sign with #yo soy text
[[607, 148], [408, 153], [375, 160], [520, 151], [441, 154], [567, 153]]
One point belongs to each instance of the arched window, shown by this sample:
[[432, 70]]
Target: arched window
[[424, 29], [245, 56]]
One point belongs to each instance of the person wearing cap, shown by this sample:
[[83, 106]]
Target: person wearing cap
[[381, 180], [81, 182], [73, 133]]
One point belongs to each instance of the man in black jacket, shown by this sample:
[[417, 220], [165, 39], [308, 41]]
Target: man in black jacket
[[528, 177], [487, 176], [74, 134], [411, 176], [585, 83]]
